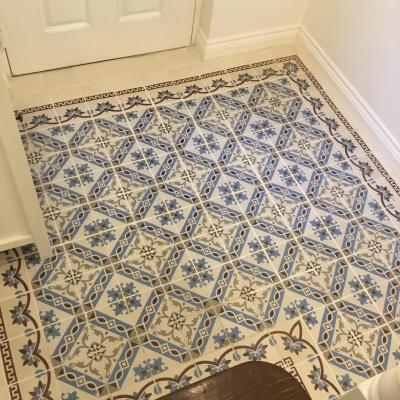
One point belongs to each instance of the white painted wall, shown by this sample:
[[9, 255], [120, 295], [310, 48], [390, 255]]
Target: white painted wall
[[14, 226], [362, 37], [234, 26], [223, 18], [21, 218]]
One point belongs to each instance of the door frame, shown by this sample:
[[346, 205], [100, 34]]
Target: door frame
[[198, 8]]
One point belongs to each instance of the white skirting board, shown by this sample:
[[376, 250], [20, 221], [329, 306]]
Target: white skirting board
[[15, 241], [365, 121], [228, 45]]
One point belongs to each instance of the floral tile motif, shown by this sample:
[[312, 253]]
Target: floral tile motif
[[198, 224]]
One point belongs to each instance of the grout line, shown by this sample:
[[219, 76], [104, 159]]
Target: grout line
[[255, 171]]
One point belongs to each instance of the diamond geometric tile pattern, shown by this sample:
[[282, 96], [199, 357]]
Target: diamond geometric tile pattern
[[196, 225]]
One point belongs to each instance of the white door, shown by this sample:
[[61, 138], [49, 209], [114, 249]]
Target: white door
[[48, 34]]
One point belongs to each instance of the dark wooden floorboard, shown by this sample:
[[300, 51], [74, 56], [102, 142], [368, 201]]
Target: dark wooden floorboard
[[252, 380]]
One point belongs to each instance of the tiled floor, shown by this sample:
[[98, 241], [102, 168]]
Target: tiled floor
[[197, 224]]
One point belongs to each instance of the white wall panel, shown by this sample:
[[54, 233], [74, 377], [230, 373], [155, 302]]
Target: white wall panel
[[14, 224], [224, 18], [362, 37]]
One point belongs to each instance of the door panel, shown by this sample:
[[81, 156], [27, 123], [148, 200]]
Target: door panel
[[131, 7], [48, 34], [134, 10], [61, 16]]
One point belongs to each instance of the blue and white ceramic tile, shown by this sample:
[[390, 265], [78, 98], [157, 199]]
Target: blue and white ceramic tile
[[195, 225]]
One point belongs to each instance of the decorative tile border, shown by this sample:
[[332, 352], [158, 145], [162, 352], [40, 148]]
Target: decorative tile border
[[21, 315], [257, 351], [285, 348], [315, 377], [291, 65]]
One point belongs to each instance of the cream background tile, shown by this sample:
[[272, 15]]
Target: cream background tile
[[125, 73]]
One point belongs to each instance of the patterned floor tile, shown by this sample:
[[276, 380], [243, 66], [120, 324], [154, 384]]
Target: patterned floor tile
[[198, 224], [349, 335]]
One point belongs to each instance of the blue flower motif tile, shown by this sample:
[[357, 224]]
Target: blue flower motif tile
[[196, 225]]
